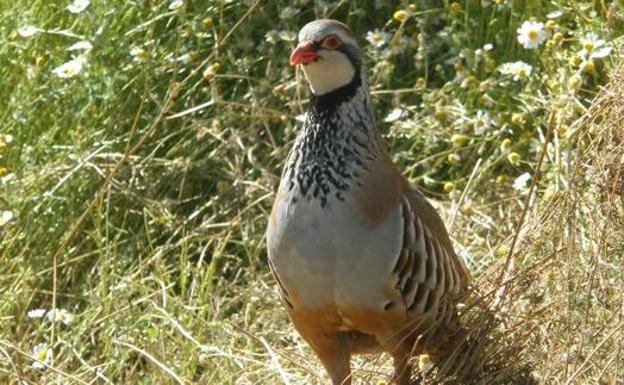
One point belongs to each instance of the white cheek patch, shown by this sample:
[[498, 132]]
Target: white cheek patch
[[329, 72]]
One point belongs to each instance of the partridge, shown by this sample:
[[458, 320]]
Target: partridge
[[363, 262]]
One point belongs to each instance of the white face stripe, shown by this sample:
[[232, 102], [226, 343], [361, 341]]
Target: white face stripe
[[333, 69]]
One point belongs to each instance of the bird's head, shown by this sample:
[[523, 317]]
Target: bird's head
[[329, 55]]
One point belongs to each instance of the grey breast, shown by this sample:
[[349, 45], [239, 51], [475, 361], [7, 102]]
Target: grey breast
[[330, 255]]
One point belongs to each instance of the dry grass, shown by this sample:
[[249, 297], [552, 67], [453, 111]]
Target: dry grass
[[141, 188], [551, 311]]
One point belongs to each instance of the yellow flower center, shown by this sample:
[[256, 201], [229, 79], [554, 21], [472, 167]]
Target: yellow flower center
[[588, 46], [589, 66], [533, 34], [42, 354], [513, 158], [459, 140], [400, 15], [141, 53], [574, 82]]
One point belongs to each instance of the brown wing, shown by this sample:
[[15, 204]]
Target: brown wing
[[428, 270]]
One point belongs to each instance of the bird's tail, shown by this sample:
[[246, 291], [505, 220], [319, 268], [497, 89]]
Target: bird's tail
[[457, 354]]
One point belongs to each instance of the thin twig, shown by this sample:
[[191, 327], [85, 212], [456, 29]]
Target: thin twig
[[461, 198], [275, 361], [164, 367], [510, 261]]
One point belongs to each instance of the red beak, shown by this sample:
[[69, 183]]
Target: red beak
[[304, 53]]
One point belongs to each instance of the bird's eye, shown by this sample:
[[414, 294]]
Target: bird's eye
[[331, 42]]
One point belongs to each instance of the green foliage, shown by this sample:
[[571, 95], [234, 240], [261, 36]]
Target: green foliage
[[137, 171]]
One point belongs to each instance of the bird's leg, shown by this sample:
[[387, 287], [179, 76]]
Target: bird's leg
[[333, 351], [331, 346]]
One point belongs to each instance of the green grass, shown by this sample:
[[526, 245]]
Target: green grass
[[140, 188]]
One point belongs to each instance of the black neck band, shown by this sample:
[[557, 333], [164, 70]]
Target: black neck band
[[331, 100]]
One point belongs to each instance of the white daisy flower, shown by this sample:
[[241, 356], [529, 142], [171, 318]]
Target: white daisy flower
[[272, 36], [60, 315], [531, 34], [519, 70], [67, 318], [27, 31], [506, 68], [394, 115], [522, 70], [81, 45], [289, 13], [139, 54], [481, 122], [8, 138], [520, 183], [78, 6], [71, 68], [555, 14], [287, 35], [593, 47], [176, 4], [43, 356], [36, 313], [7, 216], [184, 58], [377, 38], [6, 179]]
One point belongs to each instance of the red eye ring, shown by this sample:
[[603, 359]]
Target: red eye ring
[[331, 42]]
